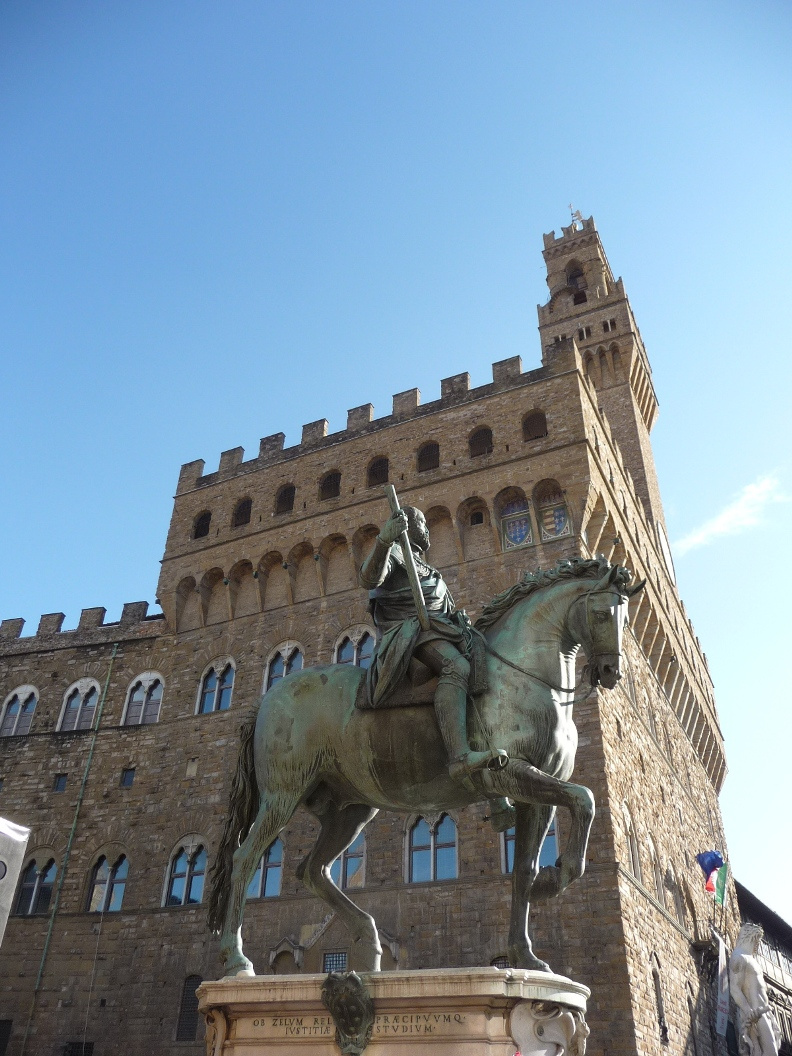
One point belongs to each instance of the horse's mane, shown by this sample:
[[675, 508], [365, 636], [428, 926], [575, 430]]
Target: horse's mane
[[566, 569]]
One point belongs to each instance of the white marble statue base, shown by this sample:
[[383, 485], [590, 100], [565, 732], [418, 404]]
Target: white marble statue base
[[459, 1011]]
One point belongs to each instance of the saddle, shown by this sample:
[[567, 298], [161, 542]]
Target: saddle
[[417, 689]]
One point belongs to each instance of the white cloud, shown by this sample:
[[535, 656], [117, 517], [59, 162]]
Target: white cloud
[[746, 511]]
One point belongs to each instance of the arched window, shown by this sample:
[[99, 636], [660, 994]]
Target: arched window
[[577, 281], [547, 856], [480, 442], [347, 869], [266, 882], [356, 651], [552, 510], [186, 877], [201, 524], [106, 893], [216, 689], [187, 1026], [330, 485], [35, 892], [678, 907], [242, 512], [143, 700], [657, 876], [500, 962], [284, 500], [18, 712], [515, 524], [433, 851], [80, 707], [534, 426], [657, 986], [428, 457], [284, 662], [377, 472], [633, 858]]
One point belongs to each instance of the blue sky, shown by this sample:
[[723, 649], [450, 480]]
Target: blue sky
[[218, 221]]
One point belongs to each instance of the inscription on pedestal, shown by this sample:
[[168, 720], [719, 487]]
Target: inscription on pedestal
[[385, 1025]]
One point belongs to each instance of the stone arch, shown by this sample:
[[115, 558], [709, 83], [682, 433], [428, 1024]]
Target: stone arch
[[513, 516], [243, 590], [189, 614], [362, 543], [443, 547], [214, 597], [616, 360], [276, 584], [475, 528], [303, 572], [335, 564], [534, 425]]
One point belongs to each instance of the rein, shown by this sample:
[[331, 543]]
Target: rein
[[537, 678]]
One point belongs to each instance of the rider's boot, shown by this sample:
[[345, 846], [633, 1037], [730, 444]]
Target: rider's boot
[[503, 815], [451, 708]]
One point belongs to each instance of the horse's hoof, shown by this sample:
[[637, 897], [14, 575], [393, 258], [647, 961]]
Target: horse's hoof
[[529, 962], [241, 970]]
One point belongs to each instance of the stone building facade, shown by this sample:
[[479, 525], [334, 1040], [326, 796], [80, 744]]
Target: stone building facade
[[118, 739]]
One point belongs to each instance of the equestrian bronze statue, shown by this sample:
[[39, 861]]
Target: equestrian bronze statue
[[495, 726]]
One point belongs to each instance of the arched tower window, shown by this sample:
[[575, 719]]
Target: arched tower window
[[266, 882], [534, 426], [35, 892], [330, 485], [284, 500], [551, 509], [433, 850], [186, 877], [106, 893], [143, 700], [283, 663], [347, 869], [217, 687], [18, 712], [480, 442], [80, 706], [657, 875], [377, 472], [201, 524], [357, 652], [242, 512], [657, 986], [428, 457], [577, 281], [633, 858]]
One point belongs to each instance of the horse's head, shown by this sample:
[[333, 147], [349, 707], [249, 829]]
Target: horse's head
[[598, 617]]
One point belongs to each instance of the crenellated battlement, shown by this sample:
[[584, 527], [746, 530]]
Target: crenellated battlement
[[456, 390], [134, 622]]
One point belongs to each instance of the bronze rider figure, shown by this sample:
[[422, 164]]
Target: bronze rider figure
[[447, 648]]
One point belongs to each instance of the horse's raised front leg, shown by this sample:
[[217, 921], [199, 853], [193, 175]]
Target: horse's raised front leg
[[274, 812], [340, 827], [523, 783], [532, 824]]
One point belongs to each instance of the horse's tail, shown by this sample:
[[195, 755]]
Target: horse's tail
[[242, 809]]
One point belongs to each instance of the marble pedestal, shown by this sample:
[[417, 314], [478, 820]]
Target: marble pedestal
[[459, 1011]]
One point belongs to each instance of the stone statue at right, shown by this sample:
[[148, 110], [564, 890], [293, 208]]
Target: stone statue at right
[[758, 1030]]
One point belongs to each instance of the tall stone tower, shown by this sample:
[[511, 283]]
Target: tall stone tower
[[117, 739], [586, 303]]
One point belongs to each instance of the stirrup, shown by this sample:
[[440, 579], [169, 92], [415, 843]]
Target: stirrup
[[471, 762]]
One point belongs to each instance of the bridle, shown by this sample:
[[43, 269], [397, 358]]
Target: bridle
[[560, 689]]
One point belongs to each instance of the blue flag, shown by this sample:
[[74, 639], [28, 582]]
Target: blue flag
[[709, 861]]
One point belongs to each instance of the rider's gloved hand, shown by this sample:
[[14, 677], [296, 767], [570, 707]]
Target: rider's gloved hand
[[394, 527]]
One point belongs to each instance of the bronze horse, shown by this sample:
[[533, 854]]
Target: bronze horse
[[310, 746]]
